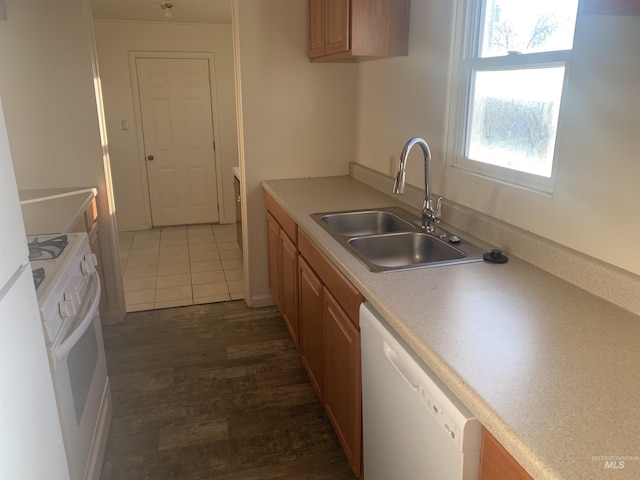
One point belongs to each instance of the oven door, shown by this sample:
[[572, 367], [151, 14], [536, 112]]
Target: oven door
[[80, 379]]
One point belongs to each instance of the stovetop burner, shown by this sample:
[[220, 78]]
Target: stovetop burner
[[47, 249]]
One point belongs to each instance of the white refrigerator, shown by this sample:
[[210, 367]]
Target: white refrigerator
[[31, 441]]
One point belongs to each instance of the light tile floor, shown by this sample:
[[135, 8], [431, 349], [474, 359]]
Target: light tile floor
[[182, 265]]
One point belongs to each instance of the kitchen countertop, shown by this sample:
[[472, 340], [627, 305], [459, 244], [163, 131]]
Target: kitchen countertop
[[549, 369], [54, 210]]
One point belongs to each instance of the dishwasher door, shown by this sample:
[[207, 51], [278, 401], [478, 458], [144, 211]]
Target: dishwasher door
[[413, 426]]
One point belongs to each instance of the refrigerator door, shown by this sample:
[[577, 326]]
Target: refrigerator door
[[31, 442], [13, 243]]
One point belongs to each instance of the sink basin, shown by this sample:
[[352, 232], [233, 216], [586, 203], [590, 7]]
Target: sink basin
[[406, 250], [369, 222], [388, 239]]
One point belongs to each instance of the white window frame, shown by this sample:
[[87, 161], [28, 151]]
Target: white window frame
[[468, 25]]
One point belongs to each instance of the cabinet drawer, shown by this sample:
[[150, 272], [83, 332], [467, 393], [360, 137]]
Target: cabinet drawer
[[347, 296], [286, 222]]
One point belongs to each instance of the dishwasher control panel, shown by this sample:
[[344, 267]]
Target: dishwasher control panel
[[444, 420]]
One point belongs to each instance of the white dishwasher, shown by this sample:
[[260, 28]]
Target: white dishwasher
[[413, 426]]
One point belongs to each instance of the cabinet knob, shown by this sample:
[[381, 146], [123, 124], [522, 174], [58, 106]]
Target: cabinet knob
[[150, 157]]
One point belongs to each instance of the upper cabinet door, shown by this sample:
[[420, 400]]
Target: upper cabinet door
[[316, 28], [337, 26], [358, 29], [613, 7]]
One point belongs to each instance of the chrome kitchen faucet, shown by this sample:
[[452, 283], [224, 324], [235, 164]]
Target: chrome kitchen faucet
[[430, 214]]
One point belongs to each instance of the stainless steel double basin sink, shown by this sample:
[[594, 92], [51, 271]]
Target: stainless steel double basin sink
[[390, 238]]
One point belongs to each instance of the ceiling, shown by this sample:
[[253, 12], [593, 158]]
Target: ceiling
[[183, 11]]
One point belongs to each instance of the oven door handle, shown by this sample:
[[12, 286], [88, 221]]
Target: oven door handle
[[65, 347]]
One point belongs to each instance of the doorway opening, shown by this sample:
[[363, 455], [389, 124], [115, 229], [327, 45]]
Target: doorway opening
[[181, 265]]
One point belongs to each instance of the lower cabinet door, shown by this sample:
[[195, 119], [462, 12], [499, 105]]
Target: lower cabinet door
[[273, 243], [311, 325], [342, 388], [289, 292]]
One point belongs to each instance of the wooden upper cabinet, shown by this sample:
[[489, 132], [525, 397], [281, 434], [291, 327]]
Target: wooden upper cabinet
[[612, 7], [336, 26], [358, 29], [316, 28]]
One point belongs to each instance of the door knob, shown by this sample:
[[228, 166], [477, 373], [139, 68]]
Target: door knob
[[149, 157]]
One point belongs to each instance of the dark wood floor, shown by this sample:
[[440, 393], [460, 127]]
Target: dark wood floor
[[214, 391]]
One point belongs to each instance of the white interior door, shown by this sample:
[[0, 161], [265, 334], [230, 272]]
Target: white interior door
[[175, 105]]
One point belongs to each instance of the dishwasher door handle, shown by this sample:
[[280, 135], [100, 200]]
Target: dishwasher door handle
[[402, 369]]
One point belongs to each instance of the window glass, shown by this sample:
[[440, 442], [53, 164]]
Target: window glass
[[527, 27], [514, 118], [512, 71]]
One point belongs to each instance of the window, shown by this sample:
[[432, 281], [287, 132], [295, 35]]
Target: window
[[511, 71]]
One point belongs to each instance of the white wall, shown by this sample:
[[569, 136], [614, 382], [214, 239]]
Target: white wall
[[47, 88], [594, 208], [114, 42], [46, 83], [297, 118]]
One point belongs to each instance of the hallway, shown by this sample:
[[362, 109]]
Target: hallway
[[180, 265]]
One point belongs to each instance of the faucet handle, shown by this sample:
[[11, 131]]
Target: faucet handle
[[434, 212], [437, 210]]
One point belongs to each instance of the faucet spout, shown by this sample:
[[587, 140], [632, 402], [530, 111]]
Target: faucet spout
[[430, 210]]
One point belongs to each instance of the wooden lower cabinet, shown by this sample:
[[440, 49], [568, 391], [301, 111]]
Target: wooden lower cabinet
[[283, 274], [320, 308], [311, 317], [289, 284], [330, 344], [498, 464], [275, 270], [342, 380]]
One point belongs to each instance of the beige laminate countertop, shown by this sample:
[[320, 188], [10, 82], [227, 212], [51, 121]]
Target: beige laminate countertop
[[54, 210], [550, 369]]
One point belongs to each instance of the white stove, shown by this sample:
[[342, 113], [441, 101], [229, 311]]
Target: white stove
[[68, 291], [59, 263]]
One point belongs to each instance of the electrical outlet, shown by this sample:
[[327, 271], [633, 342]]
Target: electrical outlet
[[393, 165]]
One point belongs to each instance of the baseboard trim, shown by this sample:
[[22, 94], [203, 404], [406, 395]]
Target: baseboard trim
[[259, 301]]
